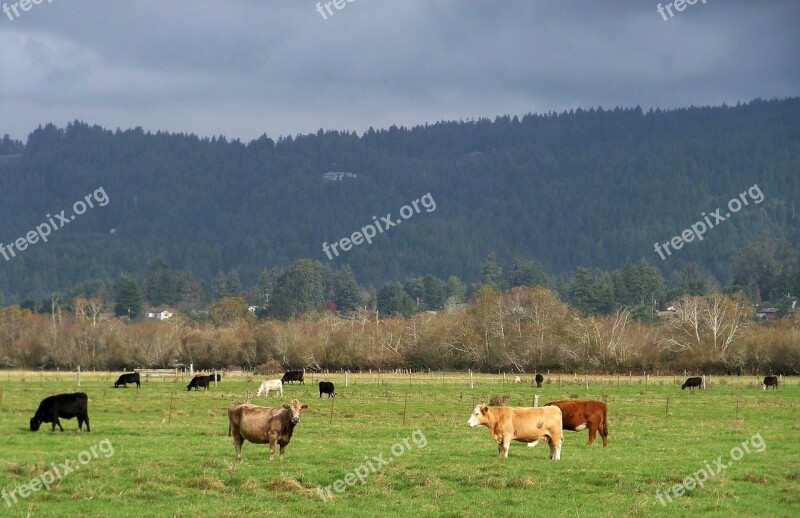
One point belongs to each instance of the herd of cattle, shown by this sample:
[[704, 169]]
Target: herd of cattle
[[262, 425]]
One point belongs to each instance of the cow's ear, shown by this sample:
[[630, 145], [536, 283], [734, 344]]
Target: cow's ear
[[286, 406], [304, 407], [484, 409]]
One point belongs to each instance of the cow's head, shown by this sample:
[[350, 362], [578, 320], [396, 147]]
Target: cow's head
[[478, 416], [295, 408], [35, 424]]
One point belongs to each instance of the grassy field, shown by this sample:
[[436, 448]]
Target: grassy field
[[183, 463]]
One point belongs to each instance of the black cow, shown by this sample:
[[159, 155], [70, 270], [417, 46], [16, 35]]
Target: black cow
[[199, 381], [293, 376], [218, 376], [326, 387], [539, 379], [770, 381], [66, 406], [124, 379], [697, 381]]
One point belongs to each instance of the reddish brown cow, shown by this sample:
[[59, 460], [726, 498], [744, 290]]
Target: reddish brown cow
[[579, 415], [261, 425]]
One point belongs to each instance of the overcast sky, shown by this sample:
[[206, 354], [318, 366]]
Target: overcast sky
[[249, 67]]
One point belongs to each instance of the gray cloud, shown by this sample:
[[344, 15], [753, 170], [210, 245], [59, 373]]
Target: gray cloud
[[251, 67]]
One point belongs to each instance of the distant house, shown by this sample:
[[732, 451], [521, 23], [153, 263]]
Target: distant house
[[159, 314], [333, 176], [767, 314]]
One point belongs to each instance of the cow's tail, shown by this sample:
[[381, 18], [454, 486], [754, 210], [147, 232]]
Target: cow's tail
[[605, 420]]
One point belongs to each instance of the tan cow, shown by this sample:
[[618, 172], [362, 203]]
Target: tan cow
[[261, 425], [522, 424]]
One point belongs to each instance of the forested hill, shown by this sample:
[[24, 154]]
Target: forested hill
[[584, 188]]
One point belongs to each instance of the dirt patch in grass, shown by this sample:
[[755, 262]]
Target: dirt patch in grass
[[756, 479], [493, 483], [205, 482]]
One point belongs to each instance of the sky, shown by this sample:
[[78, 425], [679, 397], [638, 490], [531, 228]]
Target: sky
[[245, 68]]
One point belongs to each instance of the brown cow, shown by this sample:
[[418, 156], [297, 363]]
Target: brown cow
[[522, 424], [578, 415], [261, 425]]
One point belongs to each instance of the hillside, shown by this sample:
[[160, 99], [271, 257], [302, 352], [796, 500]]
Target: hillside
[[585, 188]]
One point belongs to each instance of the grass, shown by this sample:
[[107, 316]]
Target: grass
[[183, 463]]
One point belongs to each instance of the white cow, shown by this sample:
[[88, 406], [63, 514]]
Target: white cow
[[268, 385]]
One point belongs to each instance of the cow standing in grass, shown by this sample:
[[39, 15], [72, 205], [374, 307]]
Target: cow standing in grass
[[539, 379], [326, 387], [267, 385], [261, 425], [528, 425], [292, 376], [693, 382], [124, 379], [771, 381], [579, 415], [65, 406], [199, 381]]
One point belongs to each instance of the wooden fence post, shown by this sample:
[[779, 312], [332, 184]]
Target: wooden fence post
[[79, 375]]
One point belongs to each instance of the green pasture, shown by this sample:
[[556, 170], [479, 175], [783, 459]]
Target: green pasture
[[172, 456]]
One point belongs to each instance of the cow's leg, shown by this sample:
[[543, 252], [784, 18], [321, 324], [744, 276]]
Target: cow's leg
[[592, 433], [83, 419], [502, 446], [555, 446], [237, 439], [283, 447], [604, 433], [273, 440], [57, 422]]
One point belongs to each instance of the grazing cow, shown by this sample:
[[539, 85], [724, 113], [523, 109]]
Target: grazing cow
[[517, 379], [124, 379], [520, 424], [268, 385], [539, 379], [293, 376], [261, 425], [198, 381], [770, 381], [693, 382], [65, 406], [217, 375], [578, 415], [326, 387]]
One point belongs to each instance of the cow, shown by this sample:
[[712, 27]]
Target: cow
[[261, 425], [268, 385], [579, 415], [218, 376], [539, 379], [198, 381], [523, 424], [770, 381], [65, 406], [124, 379], [293, 376], [326, 387], [517, 379], [693, 382]]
